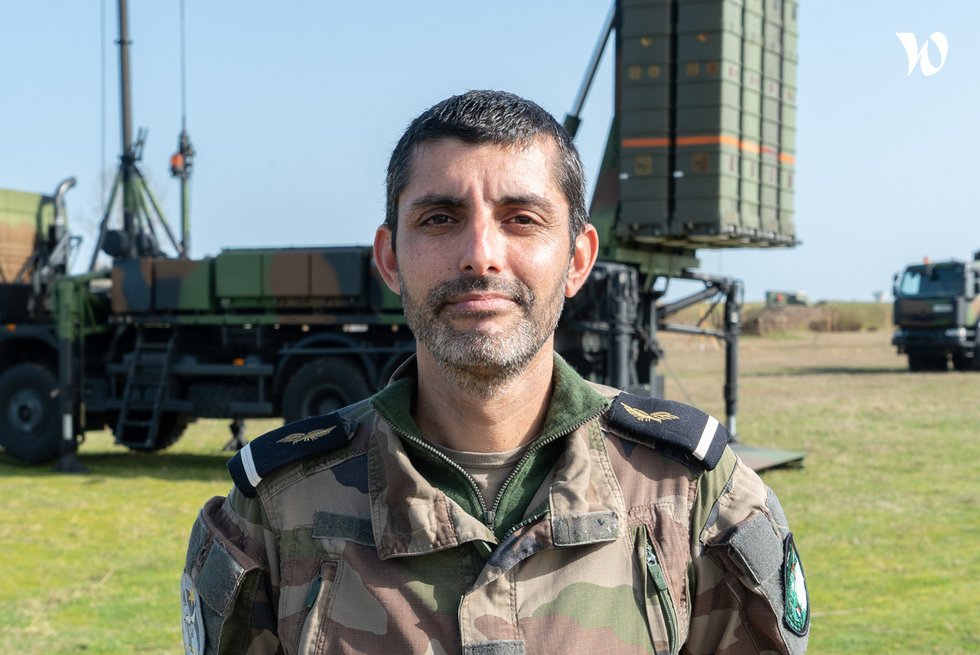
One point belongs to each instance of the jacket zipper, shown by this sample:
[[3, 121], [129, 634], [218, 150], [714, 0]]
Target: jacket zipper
[[314, 591], [500, 494], [490, 515], [527, 455], [663, 596]]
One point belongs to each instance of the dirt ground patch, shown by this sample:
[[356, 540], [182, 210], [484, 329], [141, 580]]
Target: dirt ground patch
[[789, 318], [827, 317]]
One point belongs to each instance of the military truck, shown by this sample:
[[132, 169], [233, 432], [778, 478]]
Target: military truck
[[156, 342], [937, 314], [700, 155]]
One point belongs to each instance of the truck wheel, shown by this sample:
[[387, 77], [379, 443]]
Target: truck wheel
[[322, 386], [919, 363], [29, 414], [172, 426], [962, 363]]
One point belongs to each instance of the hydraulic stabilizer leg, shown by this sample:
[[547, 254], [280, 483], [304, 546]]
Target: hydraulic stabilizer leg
[[733, 323], [732, 291], [68, 459], [237, 441], [623, 292]]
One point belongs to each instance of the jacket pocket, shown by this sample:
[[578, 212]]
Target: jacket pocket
[[319, 597], [661, 612]]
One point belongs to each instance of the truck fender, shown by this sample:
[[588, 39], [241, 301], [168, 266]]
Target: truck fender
[[305, 349], [28, 344]]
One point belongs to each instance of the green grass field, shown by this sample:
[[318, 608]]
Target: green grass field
[[885, 510]]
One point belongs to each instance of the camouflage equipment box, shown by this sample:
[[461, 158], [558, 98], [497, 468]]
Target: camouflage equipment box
[[281, 285]]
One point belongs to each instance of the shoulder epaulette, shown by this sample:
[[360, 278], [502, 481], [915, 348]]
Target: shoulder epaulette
[[292, 442], [679, 429]]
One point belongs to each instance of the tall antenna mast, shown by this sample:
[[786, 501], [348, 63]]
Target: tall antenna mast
[[182, 161], [129, 155], [140, 209]]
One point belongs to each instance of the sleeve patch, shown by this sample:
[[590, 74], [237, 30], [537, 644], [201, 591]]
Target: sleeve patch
[[192, 622], [796, 615], [677, 428]]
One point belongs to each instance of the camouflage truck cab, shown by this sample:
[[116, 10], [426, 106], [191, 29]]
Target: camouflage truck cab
[[34, 249], [936, 314], [25, 219]]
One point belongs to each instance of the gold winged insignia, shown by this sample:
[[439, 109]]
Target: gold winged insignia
[[640, 415], [304, 437]]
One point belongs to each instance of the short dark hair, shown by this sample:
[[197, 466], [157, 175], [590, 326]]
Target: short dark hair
[[488, 117]]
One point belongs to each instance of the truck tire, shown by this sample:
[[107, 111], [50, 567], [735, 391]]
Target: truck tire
[[322, 386], [919, 363], [172, 426], [963, 363], [30, 425]]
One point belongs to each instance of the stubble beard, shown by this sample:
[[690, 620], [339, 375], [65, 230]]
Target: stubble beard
[[480, 361]]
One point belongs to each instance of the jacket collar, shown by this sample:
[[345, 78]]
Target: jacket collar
[[573, 400], [411, 516]]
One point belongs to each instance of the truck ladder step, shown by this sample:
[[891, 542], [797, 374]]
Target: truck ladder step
[[145, 390]]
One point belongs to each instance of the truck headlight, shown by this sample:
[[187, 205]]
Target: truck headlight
[[956, 333]]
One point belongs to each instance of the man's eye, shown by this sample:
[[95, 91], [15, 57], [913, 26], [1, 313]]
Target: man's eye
[[522, 219], [437, 219]]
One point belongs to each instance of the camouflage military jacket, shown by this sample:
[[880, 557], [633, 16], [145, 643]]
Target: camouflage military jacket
[[628, 527]]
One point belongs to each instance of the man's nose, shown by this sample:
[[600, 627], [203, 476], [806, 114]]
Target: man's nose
[[484, 245]]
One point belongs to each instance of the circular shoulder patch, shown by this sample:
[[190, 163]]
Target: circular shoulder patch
[[796, 613], [192, 619]]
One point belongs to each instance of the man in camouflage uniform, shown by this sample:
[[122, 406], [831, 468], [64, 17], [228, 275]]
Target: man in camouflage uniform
[[490, 501]]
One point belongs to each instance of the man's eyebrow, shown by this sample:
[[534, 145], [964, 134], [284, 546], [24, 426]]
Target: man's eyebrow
[[435, 200], [529, 200], [532, 200]]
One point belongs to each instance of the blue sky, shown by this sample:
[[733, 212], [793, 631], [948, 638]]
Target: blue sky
[[293, 108]]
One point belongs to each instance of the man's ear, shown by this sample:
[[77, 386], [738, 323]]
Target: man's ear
[[583, 259], [384, 258]]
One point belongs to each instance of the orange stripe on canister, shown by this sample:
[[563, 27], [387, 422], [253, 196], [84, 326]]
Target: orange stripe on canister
[[648, 142], [708, 139]]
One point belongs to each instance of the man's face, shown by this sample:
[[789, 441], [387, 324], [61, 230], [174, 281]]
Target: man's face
[[483, 259]]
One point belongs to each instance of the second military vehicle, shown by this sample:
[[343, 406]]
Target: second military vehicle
[[937, 314]]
